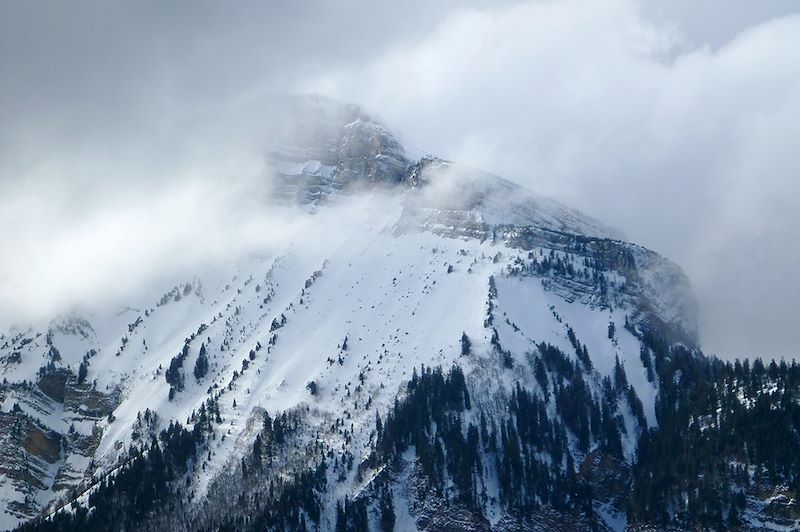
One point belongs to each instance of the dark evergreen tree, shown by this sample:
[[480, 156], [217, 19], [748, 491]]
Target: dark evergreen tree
[[201, 365], [466, 345], [83, 371]]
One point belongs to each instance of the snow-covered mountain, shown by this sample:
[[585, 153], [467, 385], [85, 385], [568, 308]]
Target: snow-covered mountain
[[444, 350]]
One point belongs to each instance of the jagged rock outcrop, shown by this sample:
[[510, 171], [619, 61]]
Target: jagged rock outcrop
[[322, 149]]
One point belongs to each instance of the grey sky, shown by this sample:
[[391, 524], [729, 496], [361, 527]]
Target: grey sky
[[675, 121]]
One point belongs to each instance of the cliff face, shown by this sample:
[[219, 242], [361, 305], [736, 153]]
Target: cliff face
[[48, 436], [321, 149]]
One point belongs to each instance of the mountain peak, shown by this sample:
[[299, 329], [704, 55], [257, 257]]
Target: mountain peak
[[329, 148], [420, 284]]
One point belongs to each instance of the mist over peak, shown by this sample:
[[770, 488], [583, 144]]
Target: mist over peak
[[481, 265]]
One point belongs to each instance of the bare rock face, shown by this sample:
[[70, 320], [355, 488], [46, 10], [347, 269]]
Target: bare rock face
[[609, 477], [27, 453], [435, 513], [41, 455], [773, 507], [42, 445], [325, 148]]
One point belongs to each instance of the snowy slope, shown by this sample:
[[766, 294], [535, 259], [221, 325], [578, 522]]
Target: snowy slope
[[388, 281], [401, 301]]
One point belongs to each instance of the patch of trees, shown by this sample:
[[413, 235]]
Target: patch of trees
[[146, 485], [277, 502], [529, 450], [724, 429], [277, 323], [174, 374]]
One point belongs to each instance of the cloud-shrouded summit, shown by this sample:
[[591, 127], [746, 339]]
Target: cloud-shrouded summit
[[427, 265], [317, 297], [127, 129]]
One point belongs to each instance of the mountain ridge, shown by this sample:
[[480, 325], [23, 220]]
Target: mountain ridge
[[387, 371]]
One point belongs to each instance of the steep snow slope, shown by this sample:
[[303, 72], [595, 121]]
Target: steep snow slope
[[489, 199], [399, 299]]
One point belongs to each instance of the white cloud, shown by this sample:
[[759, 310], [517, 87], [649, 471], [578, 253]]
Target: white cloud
[[61, 250], [676, 122], [687, 149]]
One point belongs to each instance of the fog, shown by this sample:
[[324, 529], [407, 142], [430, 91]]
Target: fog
[[132, 134]]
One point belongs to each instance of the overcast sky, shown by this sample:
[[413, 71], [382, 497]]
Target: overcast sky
[[677, 122]]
